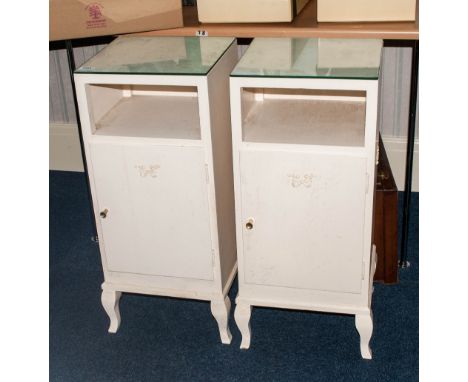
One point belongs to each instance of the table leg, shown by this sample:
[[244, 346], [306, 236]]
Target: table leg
[[404, 263]]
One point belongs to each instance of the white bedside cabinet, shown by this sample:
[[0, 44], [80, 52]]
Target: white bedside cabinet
[[156, 130], [304, 149]]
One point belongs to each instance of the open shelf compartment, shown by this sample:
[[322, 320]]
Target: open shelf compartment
[[153, 111], [304, 116]]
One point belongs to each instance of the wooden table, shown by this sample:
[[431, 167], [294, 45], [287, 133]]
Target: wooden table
[[304, 25]]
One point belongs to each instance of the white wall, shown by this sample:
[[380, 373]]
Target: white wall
[[394, 108], [394, 111], [64, 144]]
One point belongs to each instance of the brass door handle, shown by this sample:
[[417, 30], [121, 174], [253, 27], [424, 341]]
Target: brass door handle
[[103, 214], [249, 224]]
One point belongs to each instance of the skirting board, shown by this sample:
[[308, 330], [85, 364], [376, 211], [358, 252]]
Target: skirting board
[[64, 153], [64, 147], [396, 152]]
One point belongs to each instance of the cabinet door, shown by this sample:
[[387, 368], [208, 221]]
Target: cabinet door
[[306, 215], [158, 217]]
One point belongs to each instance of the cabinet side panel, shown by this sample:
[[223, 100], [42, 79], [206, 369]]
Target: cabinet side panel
[[218, 90], [101, 99]]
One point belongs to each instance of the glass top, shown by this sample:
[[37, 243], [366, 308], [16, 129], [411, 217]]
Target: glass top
[[158, 55], [311, 58]]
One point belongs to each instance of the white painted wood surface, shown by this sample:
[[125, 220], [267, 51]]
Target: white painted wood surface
[[308, 219], [364, 325], [220, 311], [221, 138], [110, 302], [304, 209], [154, 181], [158, 221]]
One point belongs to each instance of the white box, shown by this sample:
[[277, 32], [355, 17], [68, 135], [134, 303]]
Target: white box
[[366, 10], [304, 149], [156, 130], [247, 11]]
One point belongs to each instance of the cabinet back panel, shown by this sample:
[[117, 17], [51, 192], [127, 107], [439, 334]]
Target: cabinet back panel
[[155, 111], [303, 116], [308, 220], [158, 218]]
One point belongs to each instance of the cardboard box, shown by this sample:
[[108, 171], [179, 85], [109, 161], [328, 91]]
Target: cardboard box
[[248, 11], [366, 10], [87, 18]]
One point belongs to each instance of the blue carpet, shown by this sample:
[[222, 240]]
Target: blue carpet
[[164, 339]]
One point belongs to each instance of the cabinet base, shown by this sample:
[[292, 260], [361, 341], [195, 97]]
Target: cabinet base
[[363, 322], [220, 302], [362, 313]]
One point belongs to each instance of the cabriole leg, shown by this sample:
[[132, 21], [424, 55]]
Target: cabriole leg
[[364, 326], [110, 302], [220, 311], [242, 316]]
